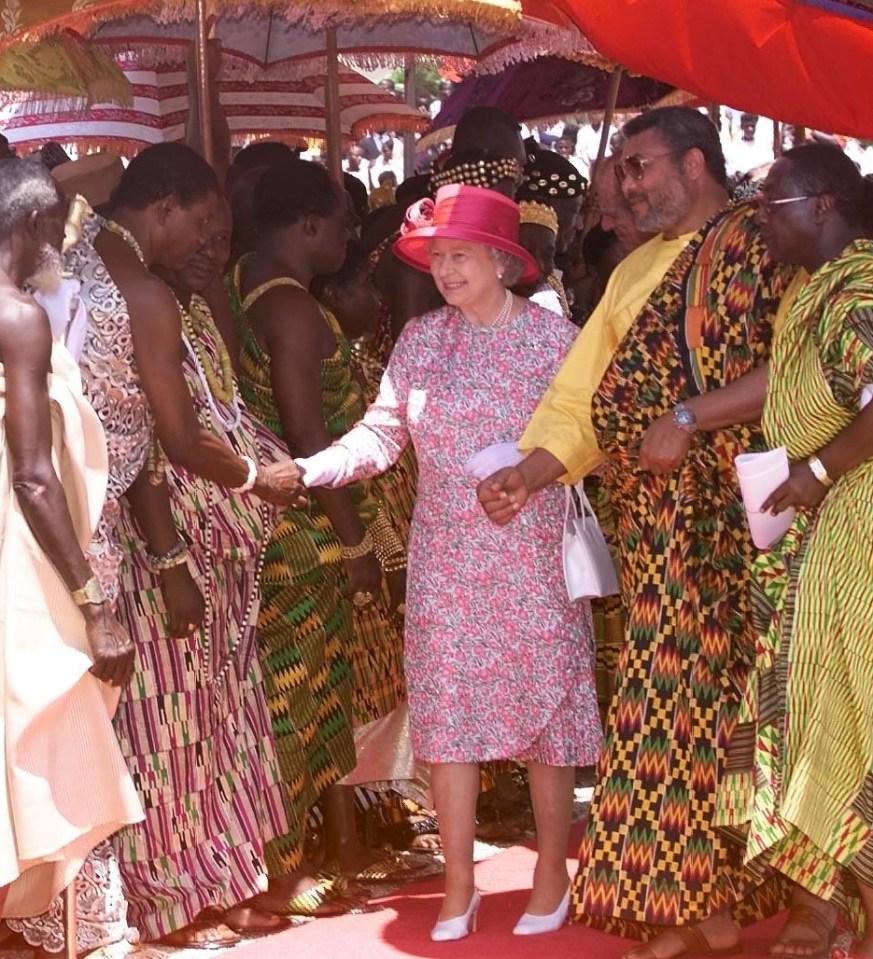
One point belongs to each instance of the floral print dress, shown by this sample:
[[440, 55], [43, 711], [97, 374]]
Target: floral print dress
[[499, 663]]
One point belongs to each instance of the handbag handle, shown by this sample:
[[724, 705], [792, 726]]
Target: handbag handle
[[584, 510]]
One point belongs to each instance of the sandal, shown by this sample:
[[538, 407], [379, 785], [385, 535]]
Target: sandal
[[389, 869], [322, 901], [201, 934], [695, 945], [813, 920]]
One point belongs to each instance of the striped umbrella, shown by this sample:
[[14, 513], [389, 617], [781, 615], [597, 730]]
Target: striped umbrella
[[288, 110]]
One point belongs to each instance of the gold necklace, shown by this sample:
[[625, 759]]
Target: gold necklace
[[221, 382], [127, 236], [558, 287]]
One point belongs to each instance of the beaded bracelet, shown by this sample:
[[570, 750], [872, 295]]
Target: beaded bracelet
[[176, 555], [387, 545], [362, 549]]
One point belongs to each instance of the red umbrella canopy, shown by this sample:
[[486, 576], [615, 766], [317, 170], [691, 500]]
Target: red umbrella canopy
[[807, 62]]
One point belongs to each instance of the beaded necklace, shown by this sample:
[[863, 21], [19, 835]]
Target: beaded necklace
[[127, 236], [223, 665], [194, 323]]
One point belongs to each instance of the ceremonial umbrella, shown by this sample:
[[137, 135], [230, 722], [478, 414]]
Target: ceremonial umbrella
[[807, 62], [545, 90], [63, 65], [288, 110]]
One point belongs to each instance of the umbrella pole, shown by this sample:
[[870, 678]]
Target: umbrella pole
[[608, 114], [410, 94], [332, 123], [203, 93]]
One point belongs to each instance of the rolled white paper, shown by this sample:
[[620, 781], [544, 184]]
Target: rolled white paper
[[759, 474]]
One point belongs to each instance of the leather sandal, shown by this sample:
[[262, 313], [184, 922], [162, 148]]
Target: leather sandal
[[805, 916], [695, 945], [201, 934]]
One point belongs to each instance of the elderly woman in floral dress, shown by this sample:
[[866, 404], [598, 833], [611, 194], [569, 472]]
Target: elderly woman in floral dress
[[498, 661]]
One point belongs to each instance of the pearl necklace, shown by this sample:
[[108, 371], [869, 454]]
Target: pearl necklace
[[502, 317]]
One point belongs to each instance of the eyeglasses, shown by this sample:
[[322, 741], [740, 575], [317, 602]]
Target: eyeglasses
[[636, 165], [766, 205]]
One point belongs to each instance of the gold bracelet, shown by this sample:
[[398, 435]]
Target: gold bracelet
[[387, 545], [362, 549], [819, 471]]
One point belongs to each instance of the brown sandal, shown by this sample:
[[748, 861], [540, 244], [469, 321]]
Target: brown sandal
[[201, 934], [805, 916], [696, 945]]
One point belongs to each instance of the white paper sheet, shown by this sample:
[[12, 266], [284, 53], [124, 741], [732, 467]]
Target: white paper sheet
[[759, 474]]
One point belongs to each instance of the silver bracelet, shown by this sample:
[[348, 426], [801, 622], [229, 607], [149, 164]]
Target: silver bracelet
[[251, 479], [819, 471]]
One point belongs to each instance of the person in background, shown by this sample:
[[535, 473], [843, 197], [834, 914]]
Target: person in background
[[663, 386], [498, 660], [65, 655], [383, 195], [538, 234]]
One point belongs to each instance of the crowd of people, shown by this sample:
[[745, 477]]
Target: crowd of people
[[281, 548]]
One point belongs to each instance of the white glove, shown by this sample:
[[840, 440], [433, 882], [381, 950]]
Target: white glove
[[495, 457], [325, 467]]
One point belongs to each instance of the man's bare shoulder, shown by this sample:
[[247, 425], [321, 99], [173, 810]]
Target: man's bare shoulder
[[24, 325]]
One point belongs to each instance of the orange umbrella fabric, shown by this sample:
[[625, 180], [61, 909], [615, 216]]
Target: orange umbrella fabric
[[806, 62]]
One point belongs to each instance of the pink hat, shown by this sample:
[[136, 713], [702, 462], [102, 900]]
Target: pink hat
[[462, 212]]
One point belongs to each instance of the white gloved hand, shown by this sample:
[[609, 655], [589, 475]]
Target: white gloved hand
[[495, 457], [324, 468]]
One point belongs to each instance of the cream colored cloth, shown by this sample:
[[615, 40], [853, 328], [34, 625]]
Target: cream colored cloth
[[64, 786]]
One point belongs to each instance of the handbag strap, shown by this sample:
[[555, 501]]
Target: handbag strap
[[578, 505]]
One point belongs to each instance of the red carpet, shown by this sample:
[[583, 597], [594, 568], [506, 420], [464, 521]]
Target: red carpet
[[401, 928]]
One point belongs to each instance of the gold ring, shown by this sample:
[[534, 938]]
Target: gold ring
[[362, 599]]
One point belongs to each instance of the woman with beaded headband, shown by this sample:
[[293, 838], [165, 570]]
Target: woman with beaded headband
[[498, 661], [334, 574]]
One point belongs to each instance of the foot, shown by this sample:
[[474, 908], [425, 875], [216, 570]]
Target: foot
[[714, 937], [202, 934], [549, 889], [456, 902], [284, 888], [808, 930], [248, 920]]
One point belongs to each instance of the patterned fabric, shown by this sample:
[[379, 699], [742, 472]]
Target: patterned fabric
[[111, 384], [193, 723], [650, 856], [811, 814], [327, 666], [498, 661]]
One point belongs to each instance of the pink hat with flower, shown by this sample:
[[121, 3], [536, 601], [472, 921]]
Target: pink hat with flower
[[468, 213]]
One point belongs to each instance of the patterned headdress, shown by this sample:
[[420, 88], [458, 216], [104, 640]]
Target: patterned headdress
[[549, 176]]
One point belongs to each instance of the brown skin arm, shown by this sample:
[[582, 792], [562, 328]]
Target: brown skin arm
[[297, 347], [848, 449], [156, 325], [507, 491], [25, 346], [408, 292], [665, 446], [151, 508]]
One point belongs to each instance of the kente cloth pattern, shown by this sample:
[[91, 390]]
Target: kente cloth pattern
[[394, 489], [498, 661], [111, 384], [650, 856], [193, 722], [55, 716], [811, 816], [328, 668]]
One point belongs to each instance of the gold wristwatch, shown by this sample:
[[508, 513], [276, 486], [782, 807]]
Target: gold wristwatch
[[91, 592]]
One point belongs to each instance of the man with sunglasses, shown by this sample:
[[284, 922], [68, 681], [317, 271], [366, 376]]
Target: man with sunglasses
[[663, 387]]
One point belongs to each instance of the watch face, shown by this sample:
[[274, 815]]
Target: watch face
[[684, 417]]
